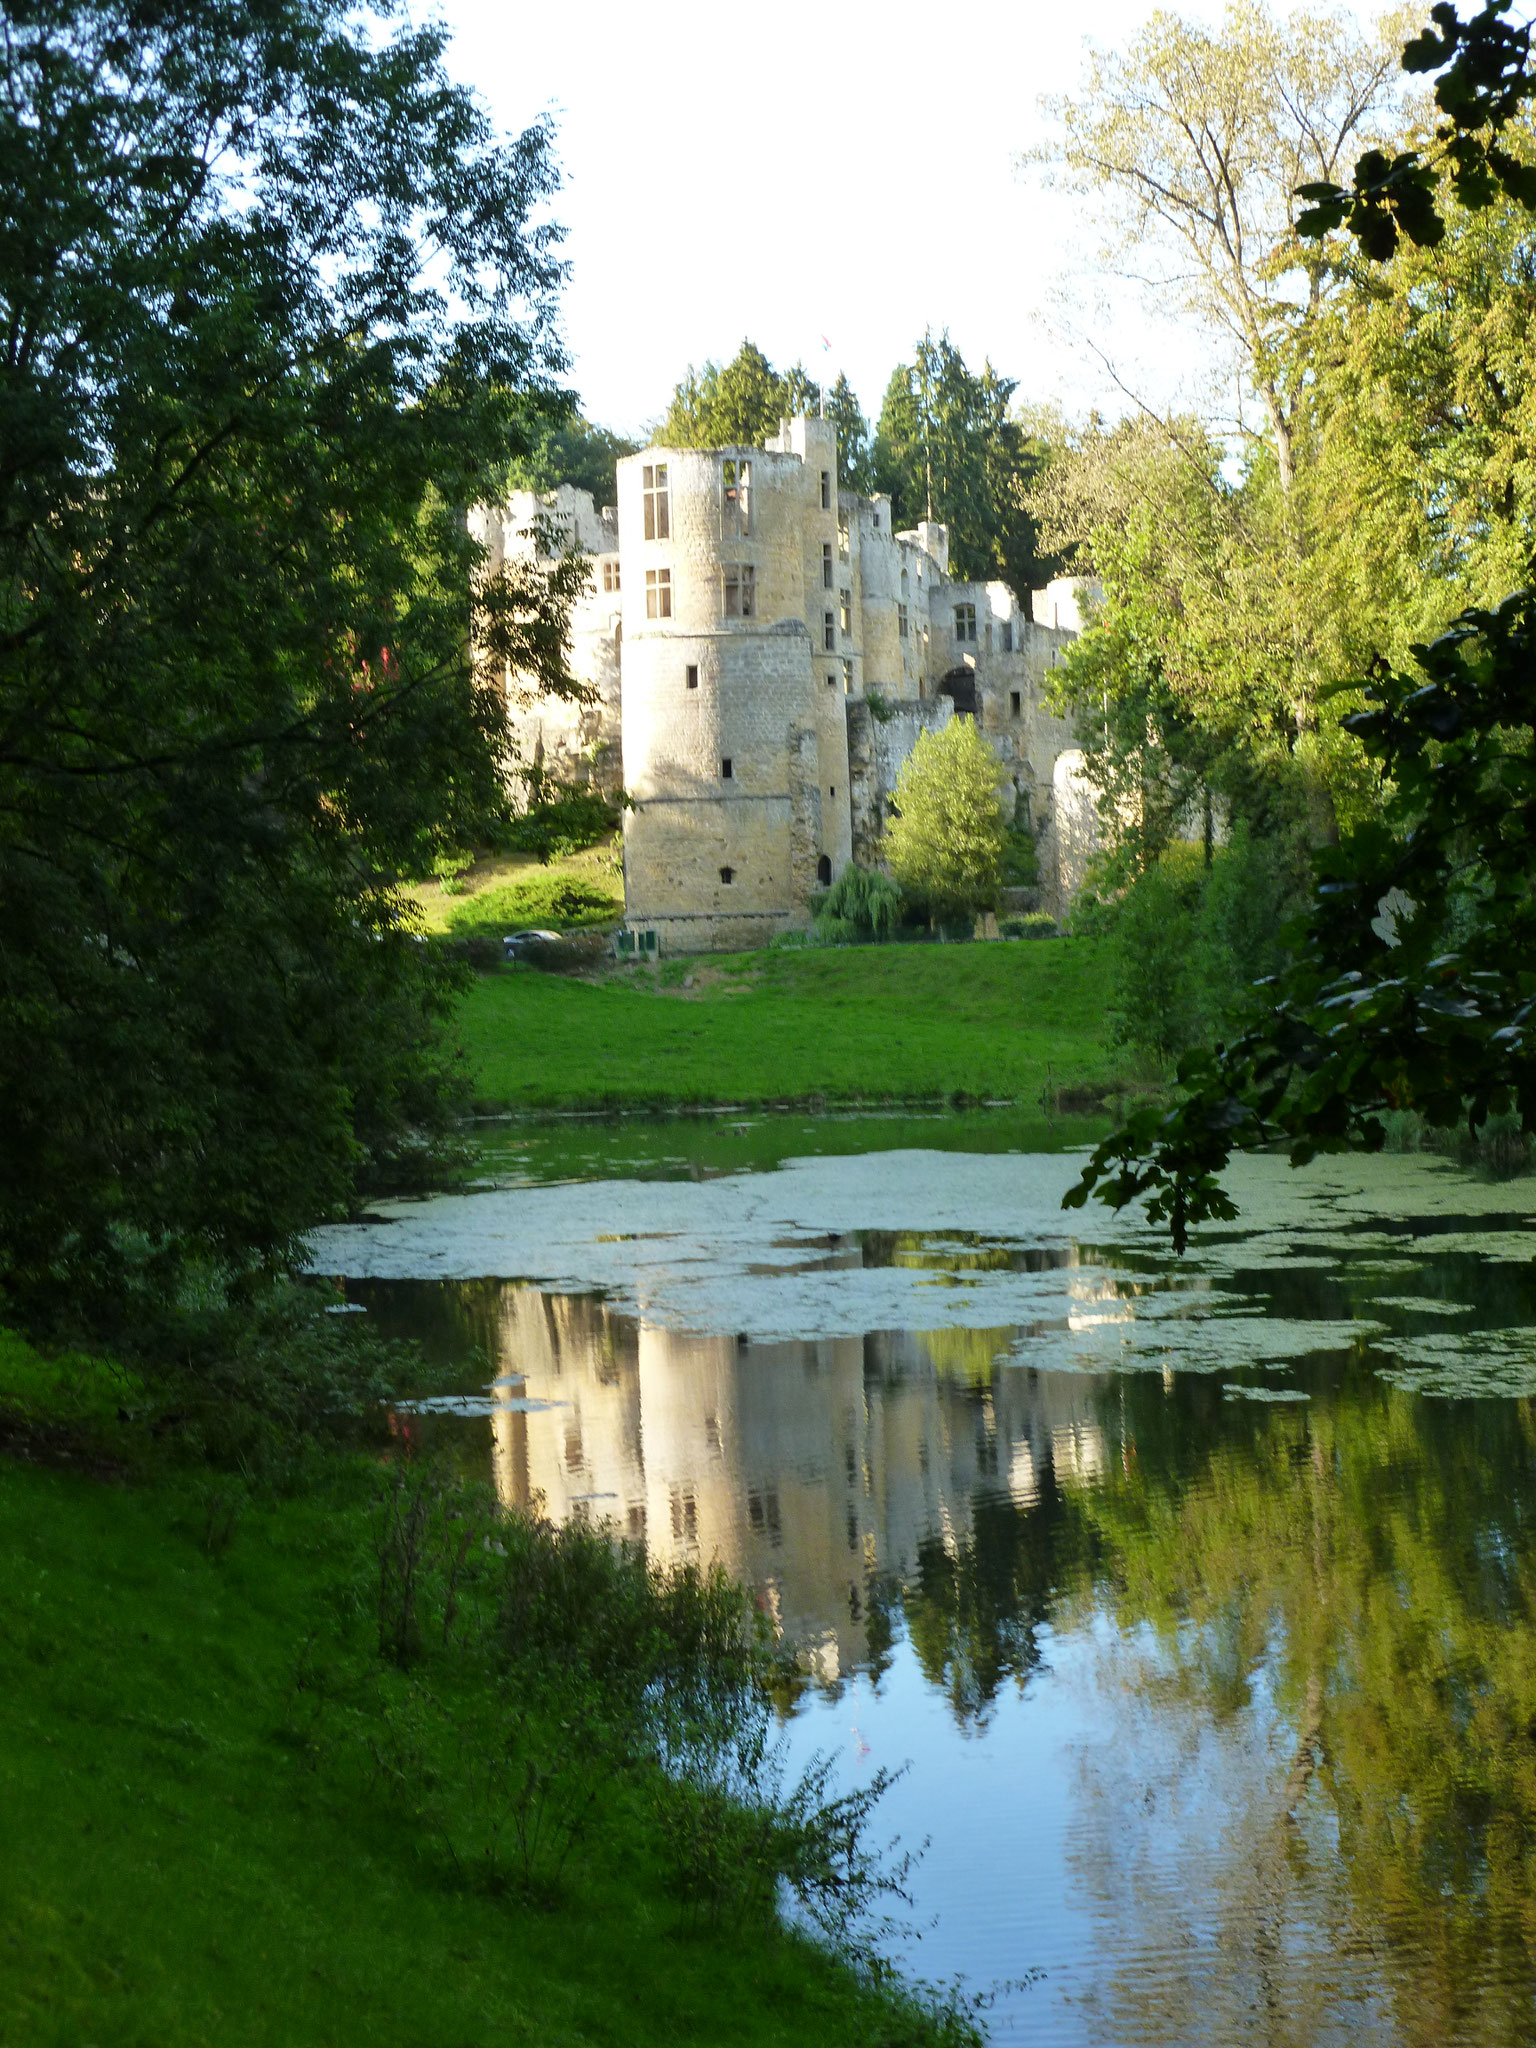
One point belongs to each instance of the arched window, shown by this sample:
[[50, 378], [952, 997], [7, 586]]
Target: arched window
[[824, 870]]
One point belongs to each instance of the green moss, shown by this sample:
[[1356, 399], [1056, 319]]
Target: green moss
[[897, 1022]]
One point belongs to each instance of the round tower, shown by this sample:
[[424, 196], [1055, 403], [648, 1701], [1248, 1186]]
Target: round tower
[[728, 747]]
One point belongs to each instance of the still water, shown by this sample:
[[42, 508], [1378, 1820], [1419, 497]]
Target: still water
[[1200, 1595]]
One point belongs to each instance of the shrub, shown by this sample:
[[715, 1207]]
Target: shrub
[[1157, 996], [1034, 924], [947, 842], [563, 902], [1191, 942], [1021, 862], [572, 821], [862, 903], [449, 870]]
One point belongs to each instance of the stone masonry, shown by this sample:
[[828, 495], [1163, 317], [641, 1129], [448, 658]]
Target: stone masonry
[[765, 650]]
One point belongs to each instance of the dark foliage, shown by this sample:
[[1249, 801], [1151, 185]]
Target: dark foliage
[[276, 301], [1407, 985]]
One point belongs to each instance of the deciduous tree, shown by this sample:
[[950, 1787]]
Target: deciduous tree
[[947, 841], [276, 301]]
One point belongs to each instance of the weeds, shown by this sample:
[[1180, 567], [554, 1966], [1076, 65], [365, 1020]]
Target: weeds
[[565, 1664]]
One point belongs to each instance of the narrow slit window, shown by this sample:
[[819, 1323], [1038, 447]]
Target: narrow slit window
[[735, 498], [658, 593], [693, 675], [727, 772], [829, 629], [658, 501], [1015, 702], [847, 678], [1007, 636], [826, 565], [727, 875], [740, 590], [901, 621], [826, 490], [845, 609]]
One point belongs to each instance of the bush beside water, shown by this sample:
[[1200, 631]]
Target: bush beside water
[[1189, 941], [279, 1718]]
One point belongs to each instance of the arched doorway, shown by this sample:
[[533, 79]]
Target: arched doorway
[[824, 871]]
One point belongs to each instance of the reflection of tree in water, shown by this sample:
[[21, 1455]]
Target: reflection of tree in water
[[974, 1611], [967, 1356], [1335, 1606]]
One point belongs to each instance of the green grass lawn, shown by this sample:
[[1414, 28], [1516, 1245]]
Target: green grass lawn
[[898, 1022], [192, 1857]]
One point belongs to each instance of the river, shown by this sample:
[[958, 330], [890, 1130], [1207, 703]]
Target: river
[[1199, 1596]]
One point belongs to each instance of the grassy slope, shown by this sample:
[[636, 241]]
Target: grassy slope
[[848, 1023], [177, 1869], [490, 901]]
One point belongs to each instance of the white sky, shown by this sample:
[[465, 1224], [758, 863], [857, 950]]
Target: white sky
[[807, 170]]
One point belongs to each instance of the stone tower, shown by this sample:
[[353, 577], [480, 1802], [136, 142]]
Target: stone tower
[[735, 733]]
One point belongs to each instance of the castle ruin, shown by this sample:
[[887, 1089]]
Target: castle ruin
[[763, 651]]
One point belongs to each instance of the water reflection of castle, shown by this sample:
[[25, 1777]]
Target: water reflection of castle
[[806, 1468]]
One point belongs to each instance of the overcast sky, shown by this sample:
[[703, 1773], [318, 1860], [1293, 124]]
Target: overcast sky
[[807, 171]]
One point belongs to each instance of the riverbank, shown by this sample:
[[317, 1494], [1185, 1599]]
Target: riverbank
[[238, 1810], [1020, 1023]]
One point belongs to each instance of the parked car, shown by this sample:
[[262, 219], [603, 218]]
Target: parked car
[[515, 944]]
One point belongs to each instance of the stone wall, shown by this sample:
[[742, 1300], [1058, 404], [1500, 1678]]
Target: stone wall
[[578, 743], [877, 748], [792, 692]]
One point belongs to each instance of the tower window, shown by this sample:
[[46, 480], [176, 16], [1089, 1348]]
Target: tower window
[[658, 502], [726, 770], [658, 593], [1016, 702], [693, 675], [829, 629], [845, 609], [735, 498], [740, 590], [901, 620], [727, 875], [1007, 636], [826, 565], [847, 678], [831, 682], [826, 490]]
